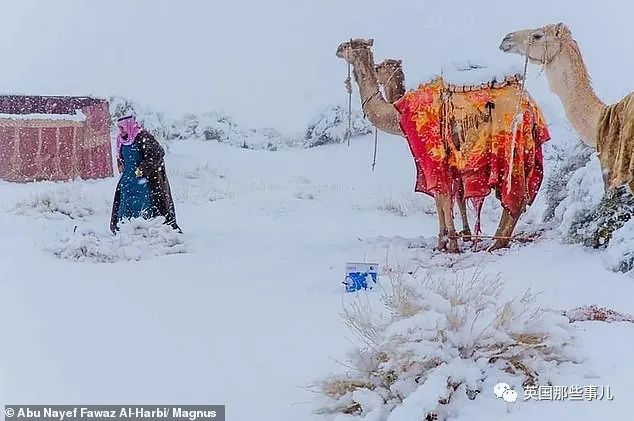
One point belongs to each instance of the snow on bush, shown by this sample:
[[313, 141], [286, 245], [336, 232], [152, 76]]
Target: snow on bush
[[216, 127], [586, 214], [442, 341], [583, 192], [57, 203], [597, 227], [331, 126], [138, 239], [619, 254], [597, 219], [564, 164]]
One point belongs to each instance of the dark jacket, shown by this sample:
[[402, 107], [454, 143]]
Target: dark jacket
[[152, 167]]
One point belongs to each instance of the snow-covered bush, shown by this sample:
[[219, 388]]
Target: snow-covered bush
[[216, 127], [582, 193], [331, 126], [591, 216], [138, 239], [443, 340], [619, 254], [57, 203], [586, 214], [596, 227], [555, 185]]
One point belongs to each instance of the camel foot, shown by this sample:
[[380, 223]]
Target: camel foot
[[465, 235], [448, 243], [498, 244], [442, 242], [452, 246]]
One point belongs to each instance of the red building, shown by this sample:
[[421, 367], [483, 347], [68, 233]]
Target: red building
[[54, 138]]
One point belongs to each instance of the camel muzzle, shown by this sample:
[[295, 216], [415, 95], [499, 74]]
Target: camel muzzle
[[507, 44]]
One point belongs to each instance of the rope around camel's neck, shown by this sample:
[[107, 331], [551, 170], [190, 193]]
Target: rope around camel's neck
[[376, 131]]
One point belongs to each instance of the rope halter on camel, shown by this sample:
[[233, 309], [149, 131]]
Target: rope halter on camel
[[517, 119], [348, 84]]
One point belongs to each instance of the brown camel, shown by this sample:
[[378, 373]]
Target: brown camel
[[391, 77], [383, 115]]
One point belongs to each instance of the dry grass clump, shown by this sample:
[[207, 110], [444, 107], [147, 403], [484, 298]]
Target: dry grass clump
[[442, 337]]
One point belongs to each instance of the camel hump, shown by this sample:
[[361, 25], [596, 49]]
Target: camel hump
[[471, 76]]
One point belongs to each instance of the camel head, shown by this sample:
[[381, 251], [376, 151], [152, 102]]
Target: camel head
[[353, 49], [540, 44], [387, 69]]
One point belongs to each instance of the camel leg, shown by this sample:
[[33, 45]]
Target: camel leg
[[447, 237], [505, 230], [442, 227], [462, 205]]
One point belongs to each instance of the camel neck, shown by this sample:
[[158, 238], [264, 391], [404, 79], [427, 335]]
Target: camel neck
[[381, 114], [364, 74], [568, 79]]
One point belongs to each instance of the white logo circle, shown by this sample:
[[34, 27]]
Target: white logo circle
[[499, 389], [509, 396]]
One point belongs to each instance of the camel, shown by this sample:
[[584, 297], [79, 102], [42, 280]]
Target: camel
[[391, 78], [607, 128], [382, 114], [553, 47], [385, 117]]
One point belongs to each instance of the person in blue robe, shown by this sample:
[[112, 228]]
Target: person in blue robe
[[143, 190]]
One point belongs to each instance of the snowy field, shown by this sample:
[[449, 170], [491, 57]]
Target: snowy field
[[245, 308], [246, 311]]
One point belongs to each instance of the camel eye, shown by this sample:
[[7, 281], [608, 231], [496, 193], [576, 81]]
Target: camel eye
[[537, 36]]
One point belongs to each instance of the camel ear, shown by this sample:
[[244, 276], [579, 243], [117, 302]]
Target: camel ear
[[371, 42], [399, 62], [561, 28]]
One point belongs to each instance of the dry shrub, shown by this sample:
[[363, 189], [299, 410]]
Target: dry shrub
[[442, 337]]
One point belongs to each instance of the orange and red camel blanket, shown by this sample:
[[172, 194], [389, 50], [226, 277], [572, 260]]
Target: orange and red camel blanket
[[460, 136]]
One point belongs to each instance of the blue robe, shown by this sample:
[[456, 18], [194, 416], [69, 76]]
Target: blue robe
[[135, 200], [151, 192]]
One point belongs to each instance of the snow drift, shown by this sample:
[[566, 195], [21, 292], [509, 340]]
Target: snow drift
[[138, 239]]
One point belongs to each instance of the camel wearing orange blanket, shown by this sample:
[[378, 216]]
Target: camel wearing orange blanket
[[460, 138]]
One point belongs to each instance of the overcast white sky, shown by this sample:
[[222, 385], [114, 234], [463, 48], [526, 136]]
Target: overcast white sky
[[268, 62]]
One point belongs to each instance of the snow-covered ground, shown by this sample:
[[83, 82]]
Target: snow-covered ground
[[246, 311], [245, 308]]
